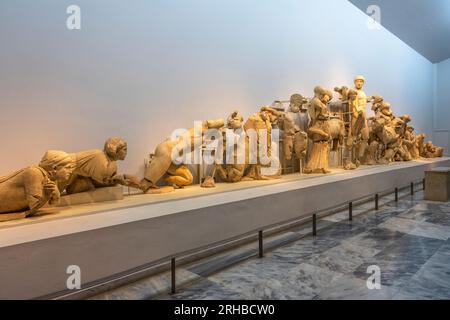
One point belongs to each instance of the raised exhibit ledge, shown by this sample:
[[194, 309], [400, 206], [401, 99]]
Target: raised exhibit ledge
[[112, 239], [57, 221]]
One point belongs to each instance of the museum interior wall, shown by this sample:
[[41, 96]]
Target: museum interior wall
[[139, 71], [442, 111]]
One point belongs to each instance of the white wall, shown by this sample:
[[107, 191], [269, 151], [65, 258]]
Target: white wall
[[442, 106], [139, 69]]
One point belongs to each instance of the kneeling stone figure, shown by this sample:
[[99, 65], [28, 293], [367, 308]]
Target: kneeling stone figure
[[24, 192]]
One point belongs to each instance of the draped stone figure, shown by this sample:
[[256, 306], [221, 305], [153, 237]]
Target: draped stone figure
[[29, 189], [262, 162], [319, 132], [98, 168]]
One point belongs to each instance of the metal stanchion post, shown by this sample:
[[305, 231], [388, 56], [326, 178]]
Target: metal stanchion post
[[314, 225], [173, 277], [261, 244], [350, 211]]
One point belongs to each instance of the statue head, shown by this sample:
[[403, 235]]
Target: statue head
[[343, 92], [58, 164], [296, 103], [116, 148], [386, 109], [421, 137], [430, 147], [406, 118], [323, 94], [352, 95], [377, 99], [235, 121], [270, 114], [359, 82]]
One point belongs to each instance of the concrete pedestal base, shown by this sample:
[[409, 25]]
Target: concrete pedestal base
[[118, 237], [161, 190], [11, 216]]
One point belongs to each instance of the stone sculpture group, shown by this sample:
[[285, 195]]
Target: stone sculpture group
[[309, 130]]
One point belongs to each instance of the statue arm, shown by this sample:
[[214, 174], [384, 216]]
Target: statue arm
[[127, 180], [409, 143], [214, 124], [313, 131], [39, 190]]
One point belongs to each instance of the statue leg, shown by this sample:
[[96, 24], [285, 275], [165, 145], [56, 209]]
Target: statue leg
[[388, 156], [251, 173], [180, 176], [235, 173], [365, 132], [221, 172], [288, 145], [80, 184], [372, 153], [407, 155]]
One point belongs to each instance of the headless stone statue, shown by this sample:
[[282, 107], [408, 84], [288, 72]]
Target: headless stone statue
[[233, 171], [295, 124], [163, 164]]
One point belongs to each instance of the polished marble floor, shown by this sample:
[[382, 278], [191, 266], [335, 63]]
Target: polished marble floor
[[408, 241]]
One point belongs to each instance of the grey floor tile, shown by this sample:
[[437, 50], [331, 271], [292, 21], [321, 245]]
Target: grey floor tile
[[344, 258], [423, 229], [400, 261], [377, 238], [408, 240], [149, 287], [204, 290], [303, 282], [303, 250], [348, 288], [416, 290]]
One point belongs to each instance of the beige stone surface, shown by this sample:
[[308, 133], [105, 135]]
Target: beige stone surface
[[93, 196], [230, 192], [161, 190], [12, 216]]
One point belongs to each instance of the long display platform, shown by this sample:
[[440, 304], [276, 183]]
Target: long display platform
[[106, 239]]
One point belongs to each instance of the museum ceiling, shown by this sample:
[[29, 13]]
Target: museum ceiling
[[422, 24]]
